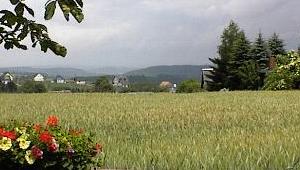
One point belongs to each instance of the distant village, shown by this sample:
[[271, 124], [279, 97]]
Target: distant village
[[8, 77], [119, 82]]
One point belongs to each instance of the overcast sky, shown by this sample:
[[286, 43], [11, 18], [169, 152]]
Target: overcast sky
[[138, 33]]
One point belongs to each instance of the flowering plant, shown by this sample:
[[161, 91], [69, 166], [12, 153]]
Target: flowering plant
[[37, 146], [286, 74]]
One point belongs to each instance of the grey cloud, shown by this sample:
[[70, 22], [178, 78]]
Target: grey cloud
[[153, 32]]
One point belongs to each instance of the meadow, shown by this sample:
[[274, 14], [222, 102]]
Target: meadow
[[236, 130]]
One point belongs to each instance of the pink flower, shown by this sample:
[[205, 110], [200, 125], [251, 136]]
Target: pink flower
[[53, 147], [70, 152], [37, 152]]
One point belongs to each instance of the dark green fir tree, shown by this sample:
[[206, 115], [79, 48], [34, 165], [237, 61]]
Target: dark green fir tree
[[260, 53], [276, 45], [241, 56], [220, 76]]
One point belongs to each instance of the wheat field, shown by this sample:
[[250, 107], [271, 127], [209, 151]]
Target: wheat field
[[236, 130]]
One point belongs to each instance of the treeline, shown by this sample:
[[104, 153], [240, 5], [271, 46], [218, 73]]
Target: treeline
[[102, 85], [242, 64], [43, 87]]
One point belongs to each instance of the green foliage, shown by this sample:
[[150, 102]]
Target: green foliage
[[146, 87], [103, 85], [189, 86], [287, 73], [220, 76], [242, 65], [15, 27], [238, 64], [33, 87], [74, 88], [10, 87], [248, 76], [276, 45], [1, 86], [260, 53]]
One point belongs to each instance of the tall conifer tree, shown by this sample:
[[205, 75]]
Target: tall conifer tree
[[241, 56], [220, 76], [260, 53], [276, 45]]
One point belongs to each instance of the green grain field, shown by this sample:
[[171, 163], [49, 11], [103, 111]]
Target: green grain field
[[236, 130]]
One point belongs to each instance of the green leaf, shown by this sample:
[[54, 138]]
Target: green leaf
[[44, 46], [19, 9], [14, 2], [59, 50], [33, 36], [23, 47], [8, 19], [50, 10], [65, 9], [42, 27], [29, 10], [80, 3], [23, 33], [77, 14], [8, 45]]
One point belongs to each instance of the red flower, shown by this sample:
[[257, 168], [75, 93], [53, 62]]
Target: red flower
[[37, 152], [53, 147], [37, 128], [97, 149], [46, 137], [52, 121], [1, 131], [9, 134]]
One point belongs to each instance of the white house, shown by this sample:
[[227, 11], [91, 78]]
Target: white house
[[6, 78], [38, 77], [80, 82], [59, 79]]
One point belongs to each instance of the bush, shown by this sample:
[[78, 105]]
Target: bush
[[10, 87], [33, 87], [189, 86], [74, 88], [145, 87], [286, 75], [103, 85], [35, 146]]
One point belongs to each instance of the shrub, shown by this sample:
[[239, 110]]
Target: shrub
[[35, 146], [103, 85], [146, 87], [286, 75], [33, 87], [10, 87], [189, 86]]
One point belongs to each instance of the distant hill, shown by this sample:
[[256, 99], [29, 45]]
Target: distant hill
[[149, 75], [51, 72], [174, 73], [109, 70]]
